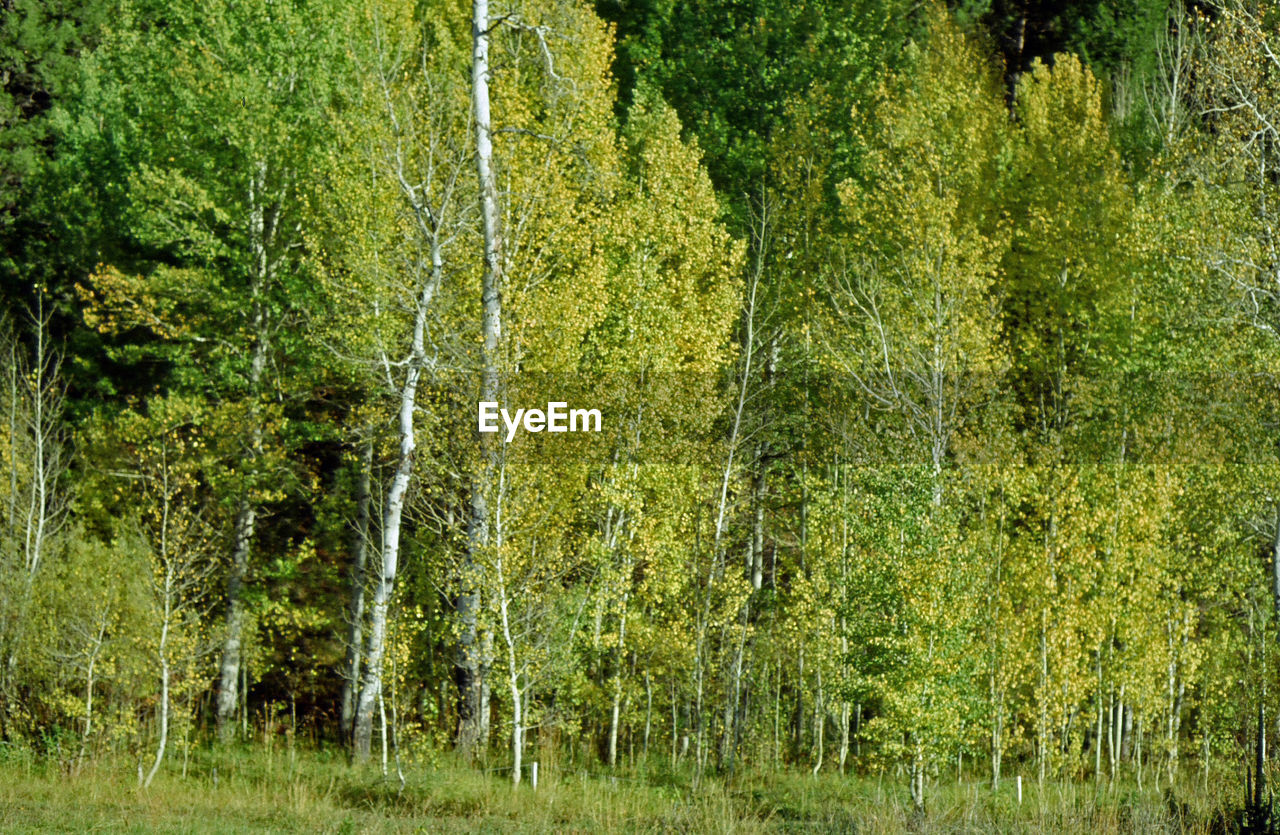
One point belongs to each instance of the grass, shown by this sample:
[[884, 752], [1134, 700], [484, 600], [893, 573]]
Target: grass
[[317, 792]]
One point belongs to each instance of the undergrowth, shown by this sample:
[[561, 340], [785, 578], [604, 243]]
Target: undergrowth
[[245, 790]]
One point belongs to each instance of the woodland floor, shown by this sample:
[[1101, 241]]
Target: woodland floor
[[275, 791]]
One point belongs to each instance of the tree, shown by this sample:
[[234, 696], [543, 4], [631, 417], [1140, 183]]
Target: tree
[[37, 459], [405, 198], [164, 453], [226, 109], [1239, 100], [913, 330], [472, 699]]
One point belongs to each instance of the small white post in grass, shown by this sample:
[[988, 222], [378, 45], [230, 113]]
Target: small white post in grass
[[533, 776], [1019, 789]]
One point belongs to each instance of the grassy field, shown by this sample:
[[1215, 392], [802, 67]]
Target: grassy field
[[318, 792]]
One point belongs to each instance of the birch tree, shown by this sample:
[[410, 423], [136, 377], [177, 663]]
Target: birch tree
[[359, 537], [36, 461], [472, 690], [166, 449], [1239, 100], [546, 166], [407, 203], [914, 325], [225, 108]]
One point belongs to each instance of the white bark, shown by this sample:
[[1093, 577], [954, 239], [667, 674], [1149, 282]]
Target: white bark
[[163, 656], [183, 572], [37, 443], [819, 725], [844, 734], [37, 522], [472, 696], [429, 197], [37, 461], [232, 649], [355, 605], [1275, 568], [513, 676], [95, 651], [261, 233], [1042, 727], [371, 684], [917, 778], [382, 716], [1166, 93], [714, 570]]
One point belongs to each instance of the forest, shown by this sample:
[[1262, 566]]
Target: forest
[[934, 352]]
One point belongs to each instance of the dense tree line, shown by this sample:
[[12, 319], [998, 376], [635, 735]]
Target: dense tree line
[[936, 348]]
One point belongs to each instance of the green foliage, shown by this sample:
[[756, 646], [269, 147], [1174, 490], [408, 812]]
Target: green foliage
[[733, 70], [939, 412]]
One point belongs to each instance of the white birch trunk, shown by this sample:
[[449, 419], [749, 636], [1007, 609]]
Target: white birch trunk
[[844, 734], [163, 656], [229, 670], [88, 685], [1275, 568], [261, 230], [1042, 729], [614, 716], [917, 778], [513, 675], [1097, 742], [355, 605], [472, 696], [382, 717], [371, 682], [38, 505], [819, 724], [648, 712], [615, 712]]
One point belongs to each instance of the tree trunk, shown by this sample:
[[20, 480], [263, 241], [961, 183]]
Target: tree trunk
[[777, 715], [917, 778], [616, 709], [163, 654], [88, 687], [40, 423], [1042, 730], [468, 672], [733, 698], [648, 713], [1275, 569], [260, 232], [37, 463], [675, 722], [614, 716], [371, 684], [819, 724], [997, 735], [1097, 741], [1126, 740], [844, 734], [228, 690], [756, 550], [513, 675], [517, 732], [355, 606]]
